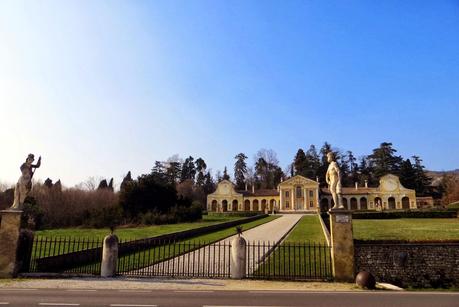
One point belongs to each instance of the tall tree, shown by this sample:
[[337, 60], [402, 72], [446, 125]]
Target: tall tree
[[200, 168], [209, 184], [188, 170], [407, 174], [384, 160], [366, 173], [299, 163], [159, 172], [267, 170], [240, 170], [225, 174], [126, 181], [173, 172], [422, 181], [312, 163]]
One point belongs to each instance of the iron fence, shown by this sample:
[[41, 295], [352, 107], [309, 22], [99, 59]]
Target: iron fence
[[178, 259], [265, 260], [289, 261], [66, 255]]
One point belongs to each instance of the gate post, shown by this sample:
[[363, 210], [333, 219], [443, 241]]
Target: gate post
[[109, 256], [9, 240], [342, 242], [238, 258]]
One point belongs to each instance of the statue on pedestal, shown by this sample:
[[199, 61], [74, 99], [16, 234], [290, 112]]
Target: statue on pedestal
[[24, 184], [333, 178]]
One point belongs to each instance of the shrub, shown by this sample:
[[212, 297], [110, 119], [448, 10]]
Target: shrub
[[235, 213], [74, 207], [404, 214], [145, 194]]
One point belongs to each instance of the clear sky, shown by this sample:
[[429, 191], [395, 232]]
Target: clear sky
[[99, 88]]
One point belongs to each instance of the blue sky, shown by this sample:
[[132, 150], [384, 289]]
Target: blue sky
[[99, 88]]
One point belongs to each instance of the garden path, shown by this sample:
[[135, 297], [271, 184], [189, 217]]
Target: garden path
[[213, 260]]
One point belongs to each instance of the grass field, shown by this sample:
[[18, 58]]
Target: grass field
[[406, 229], [308, 229], [138, 260], [303, 254], [160, 253], [134, 232]]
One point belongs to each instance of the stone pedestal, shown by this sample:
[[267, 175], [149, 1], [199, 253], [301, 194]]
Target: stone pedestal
[[238, 258], [9, 240], [342, 240], [109, 256]]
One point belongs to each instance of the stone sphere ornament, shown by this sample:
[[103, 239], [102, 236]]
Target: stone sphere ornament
[[365, 280]]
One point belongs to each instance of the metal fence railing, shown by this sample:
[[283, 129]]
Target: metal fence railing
[[178, 259], [66, 255], [138, 258], [289, 261]]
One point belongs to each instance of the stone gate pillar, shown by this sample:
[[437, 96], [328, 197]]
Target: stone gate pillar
[[9, 240], [342, 240]]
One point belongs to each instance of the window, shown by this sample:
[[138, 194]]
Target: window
[[287, 204], [298, 192], [311, 194], [287, 194], [311, 204]]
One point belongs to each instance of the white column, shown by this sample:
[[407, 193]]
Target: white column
[[280, 198], [292, 197], [305, 199]]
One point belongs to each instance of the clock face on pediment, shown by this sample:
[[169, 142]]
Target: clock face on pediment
[[389, 184], [225, 189]]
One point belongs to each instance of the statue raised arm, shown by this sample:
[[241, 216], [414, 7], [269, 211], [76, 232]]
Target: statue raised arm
[[24, 184]]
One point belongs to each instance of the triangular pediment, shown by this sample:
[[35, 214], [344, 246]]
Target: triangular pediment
[[299, 180], [225, 187]]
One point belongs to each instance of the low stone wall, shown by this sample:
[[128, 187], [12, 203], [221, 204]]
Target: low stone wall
[[405, 264]]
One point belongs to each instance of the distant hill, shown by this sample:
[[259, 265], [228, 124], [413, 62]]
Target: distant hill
[[437, 175]]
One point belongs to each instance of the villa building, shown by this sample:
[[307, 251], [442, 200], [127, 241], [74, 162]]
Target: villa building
[[300, 194]]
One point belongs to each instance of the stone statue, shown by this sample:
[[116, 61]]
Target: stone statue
[[24, 185], [333, 178]]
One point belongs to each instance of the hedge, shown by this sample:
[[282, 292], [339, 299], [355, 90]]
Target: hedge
[[404, 214]]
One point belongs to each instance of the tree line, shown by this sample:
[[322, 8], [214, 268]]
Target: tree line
[[312, 163]]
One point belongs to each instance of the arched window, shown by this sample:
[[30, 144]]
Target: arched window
[[405, 203], [246, 205], [225, 205], [391, 201], [363, 203]]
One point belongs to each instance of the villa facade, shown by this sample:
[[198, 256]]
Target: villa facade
[[301, 194]]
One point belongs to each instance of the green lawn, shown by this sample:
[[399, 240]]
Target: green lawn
[[303, 254], [138, 259], [406, 229], [134, 232], [146, 258], [308, 229], [454, 205]]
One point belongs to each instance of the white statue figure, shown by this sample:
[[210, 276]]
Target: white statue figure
[[24, 185], [333, 178]]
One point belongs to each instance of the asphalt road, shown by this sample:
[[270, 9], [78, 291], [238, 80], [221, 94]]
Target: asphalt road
[[150, 298]]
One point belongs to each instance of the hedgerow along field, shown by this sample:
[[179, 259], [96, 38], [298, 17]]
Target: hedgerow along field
[[408, 229], [137, 232]]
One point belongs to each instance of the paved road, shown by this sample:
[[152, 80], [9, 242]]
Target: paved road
[[213, 260], [150, 298]]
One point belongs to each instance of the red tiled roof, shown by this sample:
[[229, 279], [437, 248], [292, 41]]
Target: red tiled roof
[[353, 191], [260, 192]]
